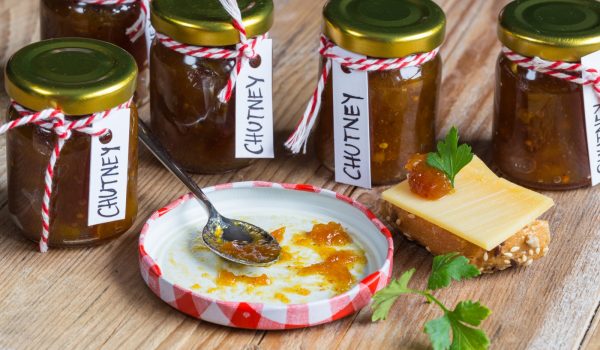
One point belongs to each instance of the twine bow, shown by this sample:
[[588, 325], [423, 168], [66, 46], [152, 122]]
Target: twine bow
[[298, 140], [243, 53]]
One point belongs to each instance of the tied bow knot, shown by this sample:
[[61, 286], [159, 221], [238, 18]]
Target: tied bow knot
[[244, 51], [247, 51], [54, 120]]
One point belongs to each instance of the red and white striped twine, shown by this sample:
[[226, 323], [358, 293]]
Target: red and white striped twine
[[54, 120], [137, 29], [557, 69], [298, 140], [243, 53]]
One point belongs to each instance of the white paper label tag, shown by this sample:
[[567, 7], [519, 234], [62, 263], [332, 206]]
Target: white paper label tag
[[352, 147], [109, 163], [591, 105], [254, 106]]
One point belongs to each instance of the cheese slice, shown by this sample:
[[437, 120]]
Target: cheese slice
[[483, 209]]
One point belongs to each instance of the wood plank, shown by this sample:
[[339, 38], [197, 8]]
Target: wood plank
[[592, 338], [95, 297]]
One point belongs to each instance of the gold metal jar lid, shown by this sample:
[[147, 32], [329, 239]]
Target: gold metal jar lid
[[206, 23], [79, 76], [385, 28], [564, 30]]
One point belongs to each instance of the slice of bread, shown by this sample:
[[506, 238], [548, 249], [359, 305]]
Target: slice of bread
[[530, 243]]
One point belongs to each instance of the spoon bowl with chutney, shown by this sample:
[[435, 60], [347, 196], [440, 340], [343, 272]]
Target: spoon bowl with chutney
[[234, 240]]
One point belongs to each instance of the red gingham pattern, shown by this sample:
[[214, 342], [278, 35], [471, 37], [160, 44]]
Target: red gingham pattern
[[258, 315], [54, 120], [298, 140], [557, 69], [136, 30], [242, 54]]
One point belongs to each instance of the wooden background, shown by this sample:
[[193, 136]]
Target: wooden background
[[93, 298]]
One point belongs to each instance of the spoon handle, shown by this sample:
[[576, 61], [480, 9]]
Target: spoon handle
[[161, 154]]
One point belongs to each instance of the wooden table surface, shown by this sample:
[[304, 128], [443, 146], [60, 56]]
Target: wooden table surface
[[92, 298]]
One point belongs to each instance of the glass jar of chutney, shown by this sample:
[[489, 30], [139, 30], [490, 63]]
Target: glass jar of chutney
[[123, 23], [402, 99], [195, 126], [539, 138], [81, 92]]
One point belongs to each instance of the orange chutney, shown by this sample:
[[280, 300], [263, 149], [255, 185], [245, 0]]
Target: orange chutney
[[402, 113], [336, 260], [227, 278], [539, 136], [69, 205], [539, 129], [425, 180], [250, 251], [335, 268], [403, 103], [187, 116], [41, 76]]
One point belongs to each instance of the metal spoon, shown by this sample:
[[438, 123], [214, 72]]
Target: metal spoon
[[233, 240]]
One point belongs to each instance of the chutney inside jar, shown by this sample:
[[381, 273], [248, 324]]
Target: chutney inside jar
[[402, 110], [106, 22], [28, 150], [70, 80], [396, 43], [187, 117], [539, 129], [539, 132], [196, 127]]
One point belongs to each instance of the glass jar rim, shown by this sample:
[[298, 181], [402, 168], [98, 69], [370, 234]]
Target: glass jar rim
[[556, 30], [76, 75], [385, 28], [206, 23]]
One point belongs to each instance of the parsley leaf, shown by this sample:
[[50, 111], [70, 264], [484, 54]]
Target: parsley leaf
[[439, 332], [385, 298], [471, 312], [450, 158], [460, 322], [465, 337], [450, 267]]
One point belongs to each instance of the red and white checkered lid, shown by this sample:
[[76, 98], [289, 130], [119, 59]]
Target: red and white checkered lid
[[268, 316]]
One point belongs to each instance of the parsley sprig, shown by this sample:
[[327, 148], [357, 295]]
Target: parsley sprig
[[461, 321], [450, 158]]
